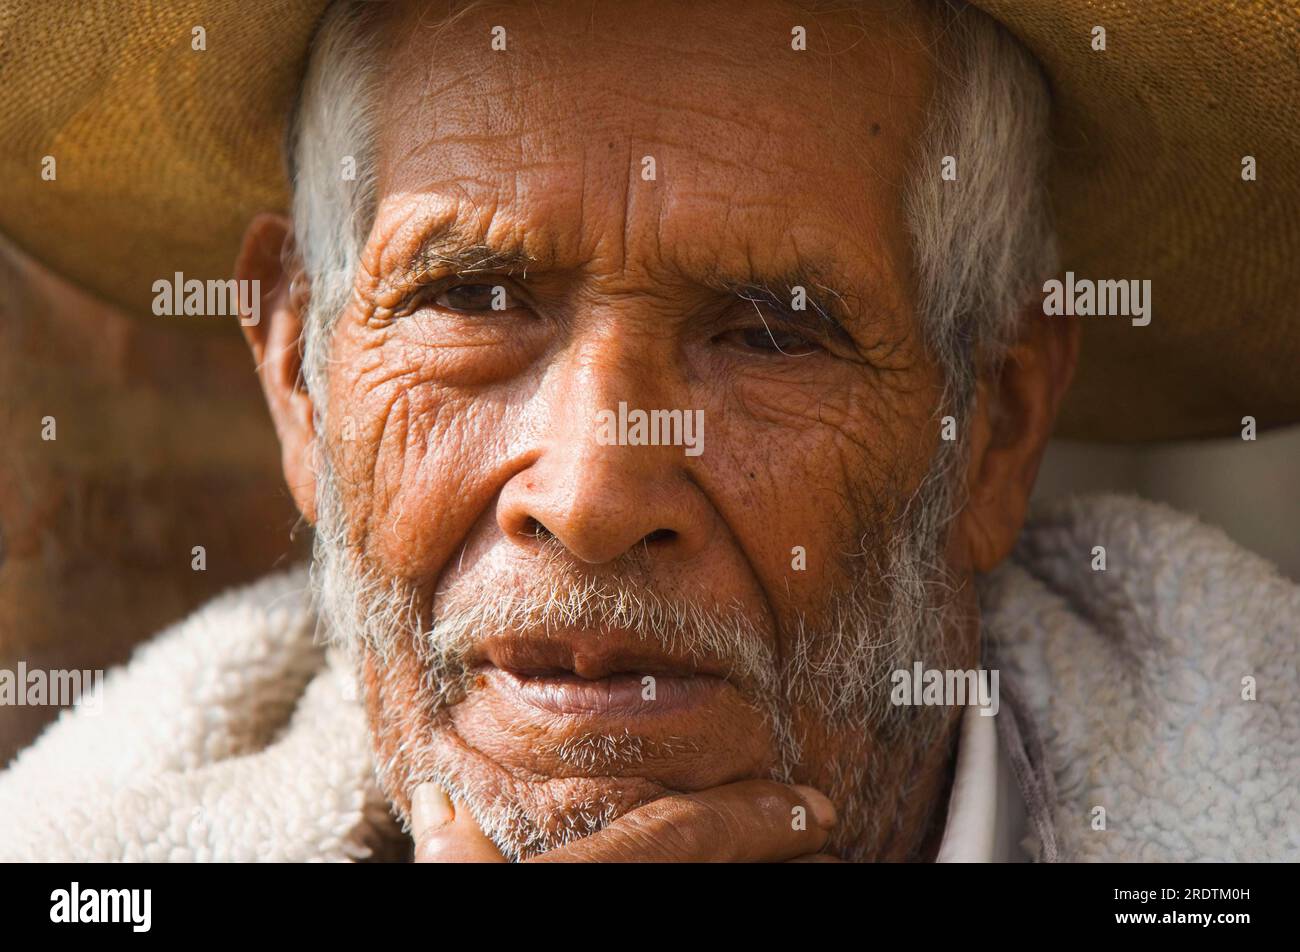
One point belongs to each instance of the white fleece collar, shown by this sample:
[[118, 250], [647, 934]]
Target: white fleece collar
[[1159, 696]]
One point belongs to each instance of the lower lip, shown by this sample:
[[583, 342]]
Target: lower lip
[[628, 695]]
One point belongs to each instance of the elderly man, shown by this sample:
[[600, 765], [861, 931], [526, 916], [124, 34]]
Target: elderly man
[[660, 381]]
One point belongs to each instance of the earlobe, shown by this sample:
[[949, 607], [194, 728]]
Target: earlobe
[[274, 333], [981, 514]]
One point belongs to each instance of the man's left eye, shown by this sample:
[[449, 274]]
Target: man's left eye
[[772, 340], [476, 297]]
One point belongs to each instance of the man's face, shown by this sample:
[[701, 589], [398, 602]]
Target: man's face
[[648, 186]]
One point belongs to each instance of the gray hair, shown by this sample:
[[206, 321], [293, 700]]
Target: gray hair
[[333, 124], [982, 244]]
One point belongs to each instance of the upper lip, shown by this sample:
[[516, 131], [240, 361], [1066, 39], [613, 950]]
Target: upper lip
[[590, 654]]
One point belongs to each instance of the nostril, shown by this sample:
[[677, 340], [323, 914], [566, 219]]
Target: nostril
[[660, 535], [534, 529]]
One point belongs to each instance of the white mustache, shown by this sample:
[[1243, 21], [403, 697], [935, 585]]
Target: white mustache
[[681, 626]]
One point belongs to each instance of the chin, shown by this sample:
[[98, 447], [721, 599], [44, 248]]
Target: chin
[[526, 812], [536, 777]]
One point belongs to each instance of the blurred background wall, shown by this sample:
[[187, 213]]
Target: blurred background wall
[[162, 444]]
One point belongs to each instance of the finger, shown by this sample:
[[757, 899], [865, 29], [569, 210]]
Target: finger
[[751, 821], [445, 832]]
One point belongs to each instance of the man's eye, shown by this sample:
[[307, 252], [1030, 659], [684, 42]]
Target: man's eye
[[773, 340], [476, 297]]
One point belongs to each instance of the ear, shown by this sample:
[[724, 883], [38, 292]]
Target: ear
[[1013, 417], [273, 330]]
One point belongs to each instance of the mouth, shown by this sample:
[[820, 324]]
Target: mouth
[[623, 694], [606, 674]]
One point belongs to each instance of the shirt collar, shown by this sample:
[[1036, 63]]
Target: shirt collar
[[986, 812]]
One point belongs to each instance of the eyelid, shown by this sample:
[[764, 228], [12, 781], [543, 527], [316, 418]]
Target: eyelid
[[809, 322], [781, 338], [422, 288], [826, 321]]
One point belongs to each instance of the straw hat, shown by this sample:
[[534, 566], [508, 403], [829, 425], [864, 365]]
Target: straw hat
[[162, 155]]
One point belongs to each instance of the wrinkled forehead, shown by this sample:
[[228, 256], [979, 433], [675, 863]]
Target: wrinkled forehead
[[777, 117]]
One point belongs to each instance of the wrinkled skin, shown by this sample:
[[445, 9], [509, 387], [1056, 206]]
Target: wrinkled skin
[[475, 427]]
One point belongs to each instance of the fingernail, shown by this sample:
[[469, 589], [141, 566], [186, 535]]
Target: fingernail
[[431, 809], [823, 810]]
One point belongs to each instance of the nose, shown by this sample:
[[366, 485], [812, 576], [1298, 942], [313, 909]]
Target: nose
[[600, 499]]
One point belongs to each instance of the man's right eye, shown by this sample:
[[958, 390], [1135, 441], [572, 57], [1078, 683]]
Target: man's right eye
[[476, 297]]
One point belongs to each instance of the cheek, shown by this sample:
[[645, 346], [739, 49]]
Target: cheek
[[807, 476], [417, 452]]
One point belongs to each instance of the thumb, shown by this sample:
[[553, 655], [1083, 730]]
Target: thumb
[[445, 832]]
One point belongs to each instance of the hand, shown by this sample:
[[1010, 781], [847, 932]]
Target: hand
[[750, 821]]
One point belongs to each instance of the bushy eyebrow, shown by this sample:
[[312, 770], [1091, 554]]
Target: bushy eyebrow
[[449, 253]]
